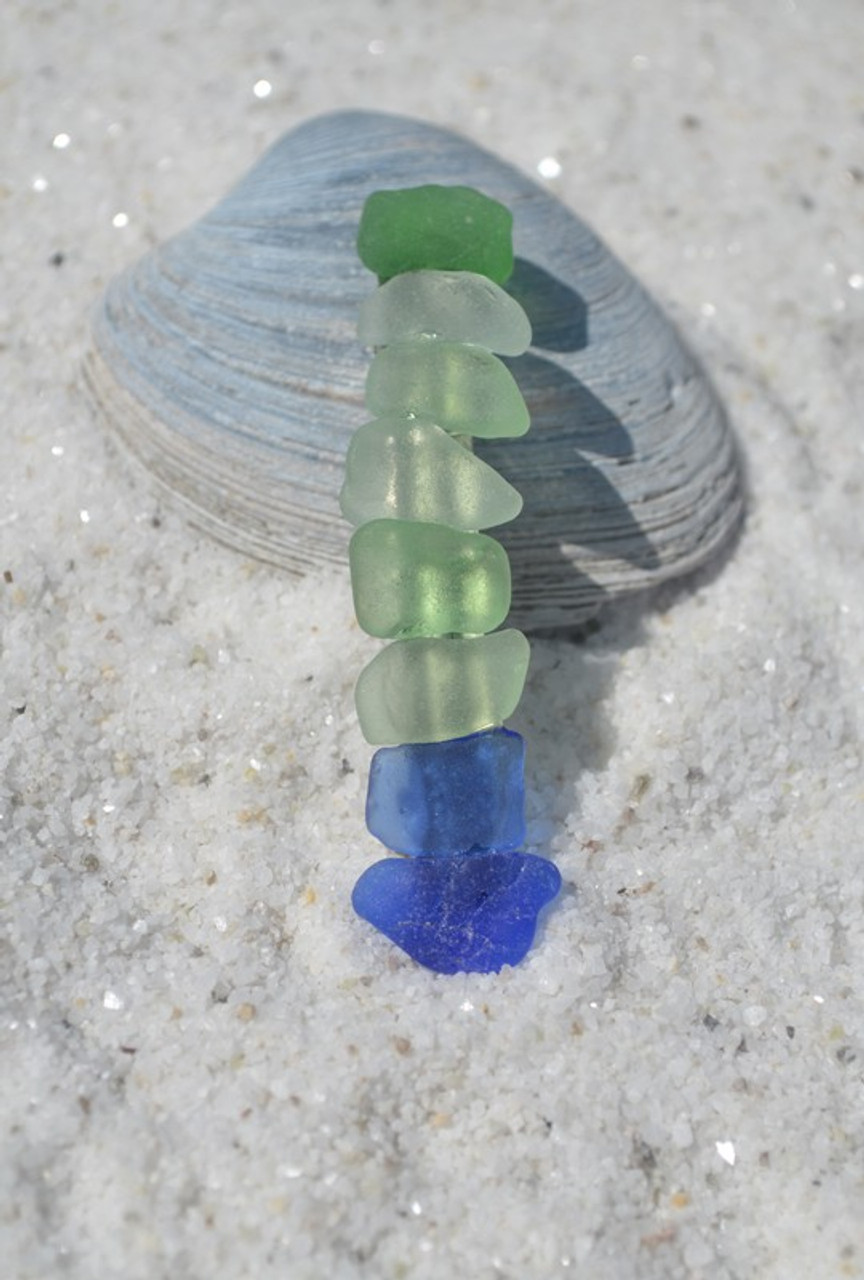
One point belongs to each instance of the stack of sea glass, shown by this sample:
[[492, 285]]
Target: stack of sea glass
[[447, 786]]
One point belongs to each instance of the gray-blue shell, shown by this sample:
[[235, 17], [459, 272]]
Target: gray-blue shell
[[227, 360]]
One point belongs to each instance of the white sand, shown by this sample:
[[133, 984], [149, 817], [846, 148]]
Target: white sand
[[213, 1069]]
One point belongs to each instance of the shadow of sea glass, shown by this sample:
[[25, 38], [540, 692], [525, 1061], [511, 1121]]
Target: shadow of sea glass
[[568, 500], [563, 410], [558, 315]]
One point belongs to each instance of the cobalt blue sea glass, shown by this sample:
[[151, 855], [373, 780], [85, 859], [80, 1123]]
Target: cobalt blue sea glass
[[463, 795], [458, 914]]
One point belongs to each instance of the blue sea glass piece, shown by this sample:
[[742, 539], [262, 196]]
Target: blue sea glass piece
[[458, 914], [463, 795]]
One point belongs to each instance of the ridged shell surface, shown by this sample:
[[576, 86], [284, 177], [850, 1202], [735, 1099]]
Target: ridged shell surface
[[228, 362]]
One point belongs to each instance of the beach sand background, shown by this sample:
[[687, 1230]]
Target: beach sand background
[[210, 1067]]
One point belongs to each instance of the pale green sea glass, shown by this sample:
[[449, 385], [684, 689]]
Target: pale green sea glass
[[465, 389], [430, 690], [414, 579], [456, 306], [413, 470]]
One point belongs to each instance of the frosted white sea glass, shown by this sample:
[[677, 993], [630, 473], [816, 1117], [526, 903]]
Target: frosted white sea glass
[[456, 306]]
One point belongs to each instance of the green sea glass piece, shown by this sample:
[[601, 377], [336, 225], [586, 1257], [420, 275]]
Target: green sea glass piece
[[413, 470], [457, 306], [442, 228], [428, 690], [415, 579], [465, 389]]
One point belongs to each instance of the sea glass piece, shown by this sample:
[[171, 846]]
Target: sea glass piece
[[414, 470], [427, 690], [415, 579], [443, 228], [466, 795], [465, 389], [456, 306], [457, 914]]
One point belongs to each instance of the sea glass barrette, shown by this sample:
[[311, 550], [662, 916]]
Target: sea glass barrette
[[446, 789]]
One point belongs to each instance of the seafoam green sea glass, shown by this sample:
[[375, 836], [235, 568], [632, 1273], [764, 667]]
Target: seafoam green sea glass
[[465, 389], [457, 306], [413, 470], [414, 579], [442, 228], [430, 690]]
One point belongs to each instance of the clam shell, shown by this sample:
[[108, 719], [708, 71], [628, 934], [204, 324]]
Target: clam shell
[[228, 362]]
